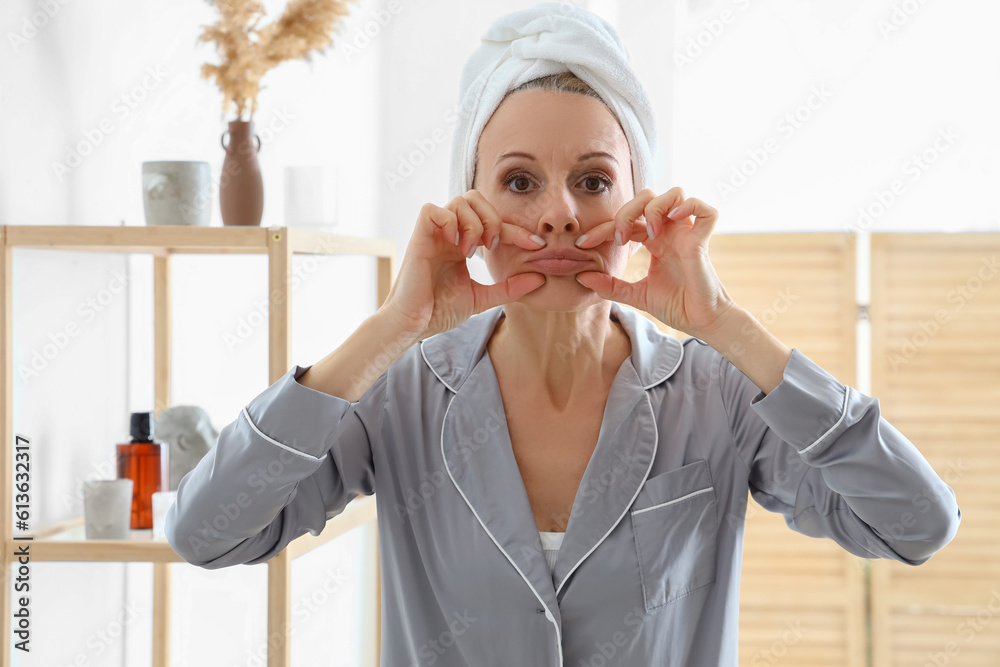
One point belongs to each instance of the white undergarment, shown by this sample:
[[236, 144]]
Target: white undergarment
[[550, 544]]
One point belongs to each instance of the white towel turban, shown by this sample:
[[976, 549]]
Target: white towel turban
[[550, 38]]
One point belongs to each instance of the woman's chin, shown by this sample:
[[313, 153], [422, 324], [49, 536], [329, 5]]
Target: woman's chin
[[560, 291]]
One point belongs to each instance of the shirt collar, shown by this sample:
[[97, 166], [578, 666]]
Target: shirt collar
[[451, 355]]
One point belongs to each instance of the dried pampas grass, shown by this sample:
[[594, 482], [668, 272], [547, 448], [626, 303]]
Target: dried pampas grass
[[247, 52]]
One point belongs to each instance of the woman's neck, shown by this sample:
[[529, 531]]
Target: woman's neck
[[561, 356]]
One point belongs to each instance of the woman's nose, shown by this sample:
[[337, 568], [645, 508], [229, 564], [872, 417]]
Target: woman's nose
[[569, 226], [556, 212]]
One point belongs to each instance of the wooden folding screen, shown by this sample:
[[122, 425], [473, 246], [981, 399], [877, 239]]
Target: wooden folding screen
[[936, 370], [802, 599]]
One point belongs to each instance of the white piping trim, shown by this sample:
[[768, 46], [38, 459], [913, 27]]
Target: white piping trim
[[548, 612], [652, 460], [635, 332], [847, 396], [680, 357], [246, 415], [671, 502], [431, 366]]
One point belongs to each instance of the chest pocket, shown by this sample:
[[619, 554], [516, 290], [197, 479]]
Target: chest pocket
[[674, 524]]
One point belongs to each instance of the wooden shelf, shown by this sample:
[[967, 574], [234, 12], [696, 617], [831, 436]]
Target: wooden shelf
[[163, 240], [65, 541]]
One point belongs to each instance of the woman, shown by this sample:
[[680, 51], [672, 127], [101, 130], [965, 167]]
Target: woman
[[558, 482]]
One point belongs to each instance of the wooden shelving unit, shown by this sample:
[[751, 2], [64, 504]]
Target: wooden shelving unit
[[65, 541]]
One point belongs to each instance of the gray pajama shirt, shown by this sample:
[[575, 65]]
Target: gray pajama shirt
[[649, 569]]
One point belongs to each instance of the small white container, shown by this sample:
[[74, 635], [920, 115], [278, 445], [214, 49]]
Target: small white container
[[162, 500], [177, 192], [311, 197], [107, 509]]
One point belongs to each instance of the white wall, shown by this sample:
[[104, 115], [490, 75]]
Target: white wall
[[896, 74], [366, 114]]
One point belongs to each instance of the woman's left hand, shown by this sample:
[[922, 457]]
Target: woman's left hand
[[682, 289]]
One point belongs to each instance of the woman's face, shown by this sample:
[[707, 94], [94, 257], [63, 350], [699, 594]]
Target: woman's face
[[554, 193]]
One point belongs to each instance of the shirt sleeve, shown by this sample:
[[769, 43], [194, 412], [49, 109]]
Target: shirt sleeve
[[293, 458], [820, 453]]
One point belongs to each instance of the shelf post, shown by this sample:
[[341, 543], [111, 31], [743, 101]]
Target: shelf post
[[161, 401], [279, 306], [279, 325], [386, 270]]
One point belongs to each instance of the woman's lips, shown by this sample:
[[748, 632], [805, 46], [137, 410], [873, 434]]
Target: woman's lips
[[560, 265]]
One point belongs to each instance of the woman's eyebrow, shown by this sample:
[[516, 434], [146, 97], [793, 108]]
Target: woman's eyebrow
[[583, 157]]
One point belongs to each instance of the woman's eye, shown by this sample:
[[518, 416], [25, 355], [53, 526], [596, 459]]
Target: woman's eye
[[515, 179], [599, 180]]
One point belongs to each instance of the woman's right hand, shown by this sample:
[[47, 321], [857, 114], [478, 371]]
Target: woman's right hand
[[433, 291]]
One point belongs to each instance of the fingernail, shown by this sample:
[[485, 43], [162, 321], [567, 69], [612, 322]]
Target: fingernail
[[580, 240], [472, 251], [538, 239], [496, 240], [618, 237], [673, 212], [456, 237], [649, 230]]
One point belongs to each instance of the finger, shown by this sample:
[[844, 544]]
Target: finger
[[628, 216], [656, 210], [488, 215], [444, 222], [597, 235], [470, 226], [513, 234], [519, 236], [705, 216], [512, 289], [611, 288], [621, 228]]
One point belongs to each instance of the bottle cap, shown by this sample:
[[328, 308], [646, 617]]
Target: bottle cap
[[141, 427]]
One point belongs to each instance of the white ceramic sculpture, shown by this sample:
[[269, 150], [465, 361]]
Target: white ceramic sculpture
[[189, 431]]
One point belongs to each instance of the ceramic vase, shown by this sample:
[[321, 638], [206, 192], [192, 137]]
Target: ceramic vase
[[241, 189]]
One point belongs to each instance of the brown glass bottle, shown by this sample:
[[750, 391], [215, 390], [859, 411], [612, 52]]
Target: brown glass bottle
[[146, 462]]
